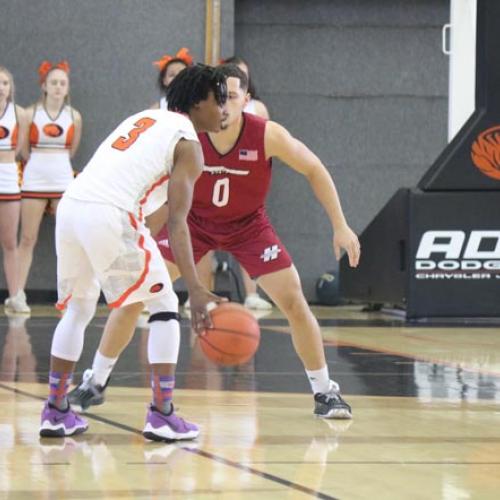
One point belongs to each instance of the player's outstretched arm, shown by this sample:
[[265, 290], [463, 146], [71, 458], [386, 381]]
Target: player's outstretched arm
[[281, 144], [188, 164]]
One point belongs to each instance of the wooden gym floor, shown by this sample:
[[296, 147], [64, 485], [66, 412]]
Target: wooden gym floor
[[426, 403]]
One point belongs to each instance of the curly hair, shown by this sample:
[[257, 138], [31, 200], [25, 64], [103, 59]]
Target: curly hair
[[193, 84]]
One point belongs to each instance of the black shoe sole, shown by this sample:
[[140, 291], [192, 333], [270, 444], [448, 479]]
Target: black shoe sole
[[154, 437], [59, 433]]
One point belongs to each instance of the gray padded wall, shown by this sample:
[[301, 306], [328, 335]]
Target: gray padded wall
[[110, 45], [364, 84]]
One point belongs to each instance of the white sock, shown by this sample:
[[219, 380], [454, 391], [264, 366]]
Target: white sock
[[319, 379], [102, 368]]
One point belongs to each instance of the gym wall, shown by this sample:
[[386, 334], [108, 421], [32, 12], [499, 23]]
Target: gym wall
[[363, 83]]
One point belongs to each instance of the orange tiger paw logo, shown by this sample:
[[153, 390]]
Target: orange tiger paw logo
[[53, 130], [4, 132], [158, 287], [485, 152]]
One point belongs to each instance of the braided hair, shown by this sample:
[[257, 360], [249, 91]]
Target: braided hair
[[193, 85]]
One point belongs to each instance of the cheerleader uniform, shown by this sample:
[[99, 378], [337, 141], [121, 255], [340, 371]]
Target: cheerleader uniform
[[9, 176], [47, 175]]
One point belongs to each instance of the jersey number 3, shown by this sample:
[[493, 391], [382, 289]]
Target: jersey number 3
[[140, 126]]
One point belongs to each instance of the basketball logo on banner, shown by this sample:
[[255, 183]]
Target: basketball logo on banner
[[485, 152]]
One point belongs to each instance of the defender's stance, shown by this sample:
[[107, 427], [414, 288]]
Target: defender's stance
[[102, 242]]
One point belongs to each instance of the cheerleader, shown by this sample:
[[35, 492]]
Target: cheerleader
[[54, 137], [170, 67], [13, 132]]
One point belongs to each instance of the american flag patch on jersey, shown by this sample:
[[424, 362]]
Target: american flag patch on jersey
[[248, 155]]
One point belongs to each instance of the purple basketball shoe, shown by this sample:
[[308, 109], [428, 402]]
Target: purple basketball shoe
[[162, 427], [57, 423]]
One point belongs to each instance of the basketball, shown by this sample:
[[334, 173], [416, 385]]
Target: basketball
[[234, 337]]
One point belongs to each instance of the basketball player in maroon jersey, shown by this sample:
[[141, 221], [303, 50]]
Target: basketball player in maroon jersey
[[228, 214]]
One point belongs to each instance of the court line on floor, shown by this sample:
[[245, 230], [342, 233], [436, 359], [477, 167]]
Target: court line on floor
[[373, 462], [385, 323], [201, 453]]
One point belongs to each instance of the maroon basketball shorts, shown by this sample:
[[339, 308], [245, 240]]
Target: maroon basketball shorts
[[253, 242]]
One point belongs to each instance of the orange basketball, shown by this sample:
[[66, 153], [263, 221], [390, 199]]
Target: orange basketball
[[234, 337]]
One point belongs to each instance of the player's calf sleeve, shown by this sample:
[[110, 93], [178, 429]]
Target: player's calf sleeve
[[164, 329], [67, 342]]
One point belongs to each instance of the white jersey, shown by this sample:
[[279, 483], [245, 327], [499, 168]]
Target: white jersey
[[132, 166], [163, 103]]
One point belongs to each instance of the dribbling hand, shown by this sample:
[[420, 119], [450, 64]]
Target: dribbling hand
[[202, 301]]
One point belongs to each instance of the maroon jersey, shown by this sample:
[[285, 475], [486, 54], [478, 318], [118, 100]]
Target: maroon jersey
[[234, 185]]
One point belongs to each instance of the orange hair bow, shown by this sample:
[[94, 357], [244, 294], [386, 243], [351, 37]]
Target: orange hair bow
[[47, 66], [183, 55]]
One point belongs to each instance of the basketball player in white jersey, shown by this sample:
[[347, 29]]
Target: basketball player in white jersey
[[54, 137], [13, 132], [102, 243], [169, 67]]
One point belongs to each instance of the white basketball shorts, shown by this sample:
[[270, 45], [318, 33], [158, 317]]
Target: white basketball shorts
[[100, 246]]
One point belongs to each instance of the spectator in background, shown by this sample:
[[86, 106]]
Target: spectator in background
[[170, 67], [13, 132], [54, 137]]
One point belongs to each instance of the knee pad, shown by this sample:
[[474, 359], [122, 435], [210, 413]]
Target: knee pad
[[164, 342], [164, 316], [164, 334]]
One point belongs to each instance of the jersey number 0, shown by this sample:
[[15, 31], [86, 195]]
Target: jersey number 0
[[140, 126], [220, 195]]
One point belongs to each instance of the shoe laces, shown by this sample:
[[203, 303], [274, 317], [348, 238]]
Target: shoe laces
[[87, 380], [333, 392], [332, 395]]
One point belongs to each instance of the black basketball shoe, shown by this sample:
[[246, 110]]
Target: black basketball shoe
[[331, 405], [88, 393]]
